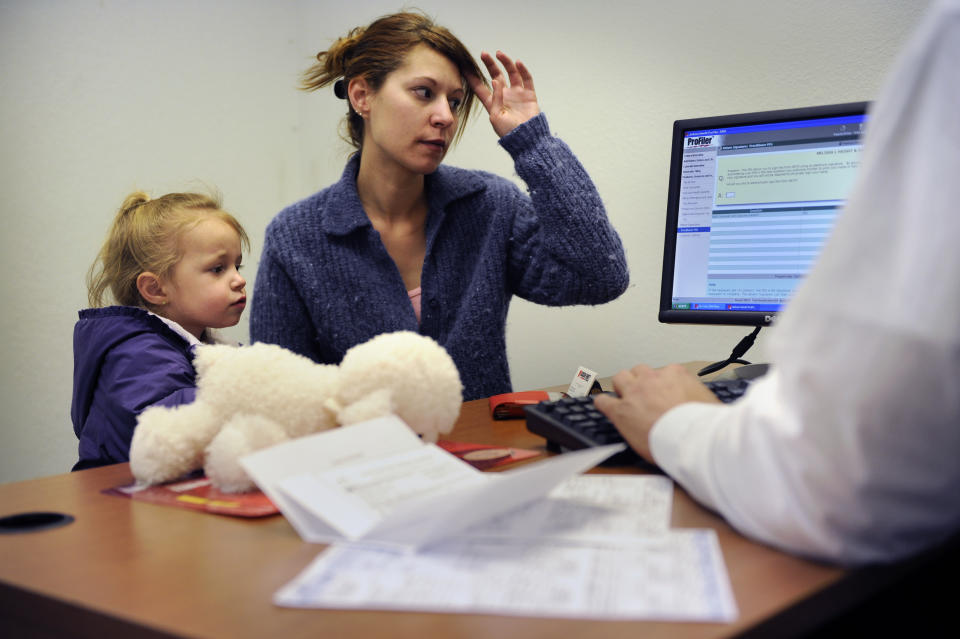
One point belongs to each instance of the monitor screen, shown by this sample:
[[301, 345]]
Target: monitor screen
[[752, 198]]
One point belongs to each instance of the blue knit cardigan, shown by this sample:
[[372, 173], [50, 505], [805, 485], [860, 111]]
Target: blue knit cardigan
[[325, 282]]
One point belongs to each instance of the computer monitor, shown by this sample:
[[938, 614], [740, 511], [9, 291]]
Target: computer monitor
[[752, 197]]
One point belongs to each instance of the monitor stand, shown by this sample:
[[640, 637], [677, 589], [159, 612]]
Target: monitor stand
[[739, 350], [751, 371]]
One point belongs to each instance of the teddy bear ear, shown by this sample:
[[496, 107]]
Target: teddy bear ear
[[206, 355]]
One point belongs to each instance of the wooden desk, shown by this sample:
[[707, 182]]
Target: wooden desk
[[133, 569]]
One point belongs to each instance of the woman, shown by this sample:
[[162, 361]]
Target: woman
[[403, 243]]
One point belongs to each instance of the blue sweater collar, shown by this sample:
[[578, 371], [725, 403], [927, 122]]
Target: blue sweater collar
[[344, 213]]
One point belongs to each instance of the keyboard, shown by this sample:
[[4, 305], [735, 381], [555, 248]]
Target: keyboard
[[572, 423]]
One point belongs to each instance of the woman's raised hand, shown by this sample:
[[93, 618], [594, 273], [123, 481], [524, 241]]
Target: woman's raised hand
[[512, 100]]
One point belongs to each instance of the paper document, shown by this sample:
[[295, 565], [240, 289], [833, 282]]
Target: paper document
[[377, 482], [673, 577], [589, 507], [594, 547]]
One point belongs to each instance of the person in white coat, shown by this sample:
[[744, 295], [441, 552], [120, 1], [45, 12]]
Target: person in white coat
[[848, 450]]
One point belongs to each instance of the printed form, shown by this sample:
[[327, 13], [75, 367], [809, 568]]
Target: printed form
[[418, 529], [598, 547], [378, 483]]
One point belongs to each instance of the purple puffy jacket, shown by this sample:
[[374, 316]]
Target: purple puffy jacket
[[124, 361]]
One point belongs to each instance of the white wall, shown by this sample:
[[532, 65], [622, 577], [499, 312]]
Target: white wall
[[100, 97]]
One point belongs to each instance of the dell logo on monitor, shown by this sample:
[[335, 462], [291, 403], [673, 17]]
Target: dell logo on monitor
[[769, 319]]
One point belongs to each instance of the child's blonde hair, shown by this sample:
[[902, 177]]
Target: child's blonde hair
[[145, 237]]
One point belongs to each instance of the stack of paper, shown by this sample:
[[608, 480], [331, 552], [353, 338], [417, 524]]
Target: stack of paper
[[379, 483], [415, 528]]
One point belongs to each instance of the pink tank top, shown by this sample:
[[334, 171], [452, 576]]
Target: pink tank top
[[415, 300]]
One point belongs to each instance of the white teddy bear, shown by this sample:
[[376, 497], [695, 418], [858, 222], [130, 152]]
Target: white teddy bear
[[252, 397]]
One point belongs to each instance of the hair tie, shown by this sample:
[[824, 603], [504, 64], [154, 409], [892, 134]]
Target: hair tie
[[339, 89]]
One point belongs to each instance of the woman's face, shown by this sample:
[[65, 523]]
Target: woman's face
[[410, 122]]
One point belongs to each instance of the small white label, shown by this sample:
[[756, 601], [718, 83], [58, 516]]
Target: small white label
[[582, 382]]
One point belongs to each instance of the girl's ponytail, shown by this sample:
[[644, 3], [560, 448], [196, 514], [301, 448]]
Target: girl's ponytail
[[132, 201]]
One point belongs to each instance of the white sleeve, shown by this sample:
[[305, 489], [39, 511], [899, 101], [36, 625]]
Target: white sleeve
[[847, 464], [849, 450]]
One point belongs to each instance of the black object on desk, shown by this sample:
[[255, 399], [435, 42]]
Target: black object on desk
[[33, 522], [572, 423]]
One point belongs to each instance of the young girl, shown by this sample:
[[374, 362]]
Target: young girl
[[172, 264]]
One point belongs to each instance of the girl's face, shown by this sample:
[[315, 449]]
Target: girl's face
[[205, 288], [410, 122]]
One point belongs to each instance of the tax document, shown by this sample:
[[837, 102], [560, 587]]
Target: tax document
[[678, 576], [589, 507], [378, 483]]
